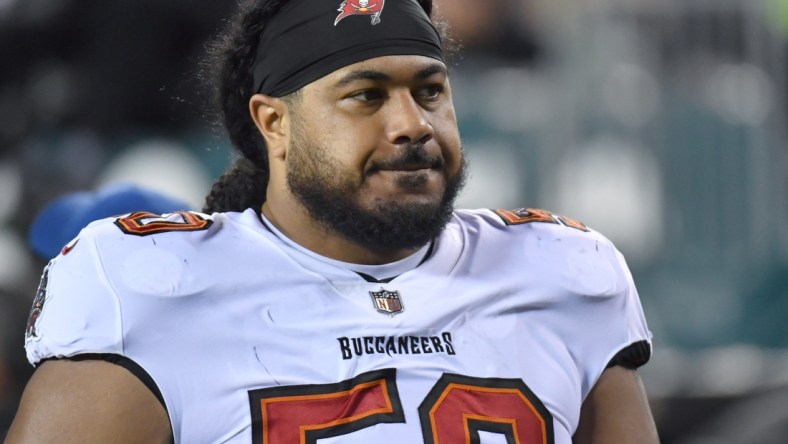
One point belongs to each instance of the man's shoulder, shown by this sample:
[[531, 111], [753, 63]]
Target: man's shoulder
[[525, 222], [558, 249], [119, 271], [169, 230], [143, 224], [141, 243]]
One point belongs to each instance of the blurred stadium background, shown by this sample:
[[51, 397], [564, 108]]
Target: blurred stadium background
[[661, 123]]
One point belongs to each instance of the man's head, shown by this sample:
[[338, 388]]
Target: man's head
[[366, 144], [373, 151]]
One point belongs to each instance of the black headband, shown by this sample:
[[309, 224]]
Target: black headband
[[308, 39]]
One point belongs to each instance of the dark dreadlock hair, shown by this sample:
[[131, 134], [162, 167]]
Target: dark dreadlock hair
[[229, 73]]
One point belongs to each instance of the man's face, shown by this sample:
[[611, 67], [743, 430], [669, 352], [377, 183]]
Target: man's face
[[375, 152]]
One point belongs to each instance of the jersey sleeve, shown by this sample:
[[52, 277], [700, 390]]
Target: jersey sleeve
[[581, 309], [637, 350], [596, 310], [610, 326], [75, 310]]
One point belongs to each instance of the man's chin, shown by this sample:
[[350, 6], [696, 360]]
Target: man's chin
[[406, 188], [418, 205], [399, 225], [413, 180], [388, 212]]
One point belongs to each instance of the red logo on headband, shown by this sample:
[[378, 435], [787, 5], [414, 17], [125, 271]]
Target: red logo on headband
[[360, 7]]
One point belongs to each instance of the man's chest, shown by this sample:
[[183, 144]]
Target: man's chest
[[373, 363]]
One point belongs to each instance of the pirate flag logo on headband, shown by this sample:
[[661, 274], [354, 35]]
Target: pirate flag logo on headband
[[360, 7]]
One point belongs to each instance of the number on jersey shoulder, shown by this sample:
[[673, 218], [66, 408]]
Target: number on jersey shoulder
[[528, 215], [143, 223]]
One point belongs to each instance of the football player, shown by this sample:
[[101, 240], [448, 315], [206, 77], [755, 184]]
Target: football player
[[329, 292]]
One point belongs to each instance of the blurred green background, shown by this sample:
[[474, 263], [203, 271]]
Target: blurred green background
[[660, 123]]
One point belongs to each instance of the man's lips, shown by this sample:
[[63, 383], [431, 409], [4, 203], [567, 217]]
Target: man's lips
[[409, 167], [413, 158]]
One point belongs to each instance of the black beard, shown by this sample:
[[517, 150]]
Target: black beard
[[388, 226]]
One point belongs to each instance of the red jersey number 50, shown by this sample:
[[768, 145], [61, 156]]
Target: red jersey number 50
[[455, 410]]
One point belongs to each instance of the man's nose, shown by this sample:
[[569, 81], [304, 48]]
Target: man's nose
[[407, 121]]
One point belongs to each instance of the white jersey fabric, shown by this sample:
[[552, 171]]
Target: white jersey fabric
[[502, 330]]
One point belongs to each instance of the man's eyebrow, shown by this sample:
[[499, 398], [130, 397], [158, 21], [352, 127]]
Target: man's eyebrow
[[371, 74], [435, 68], [366, 74]]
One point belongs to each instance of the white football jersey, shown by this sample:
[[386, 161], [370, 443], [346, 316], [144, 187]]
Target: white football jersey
[[499, 334]]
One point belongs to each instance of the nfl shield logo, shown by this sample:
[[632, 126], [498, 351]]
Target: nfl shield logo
[[387, 302]]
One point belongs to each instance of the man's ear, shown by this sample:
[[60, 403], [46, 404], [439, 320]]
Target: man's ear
[[269, 115]]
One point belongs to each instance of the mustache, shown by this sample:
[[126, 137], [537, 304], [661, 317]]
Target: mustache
[[414, 157]]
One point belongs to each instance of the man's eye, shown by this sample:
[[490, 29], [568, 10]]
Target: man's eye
[[368, 95], [430, 91]]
